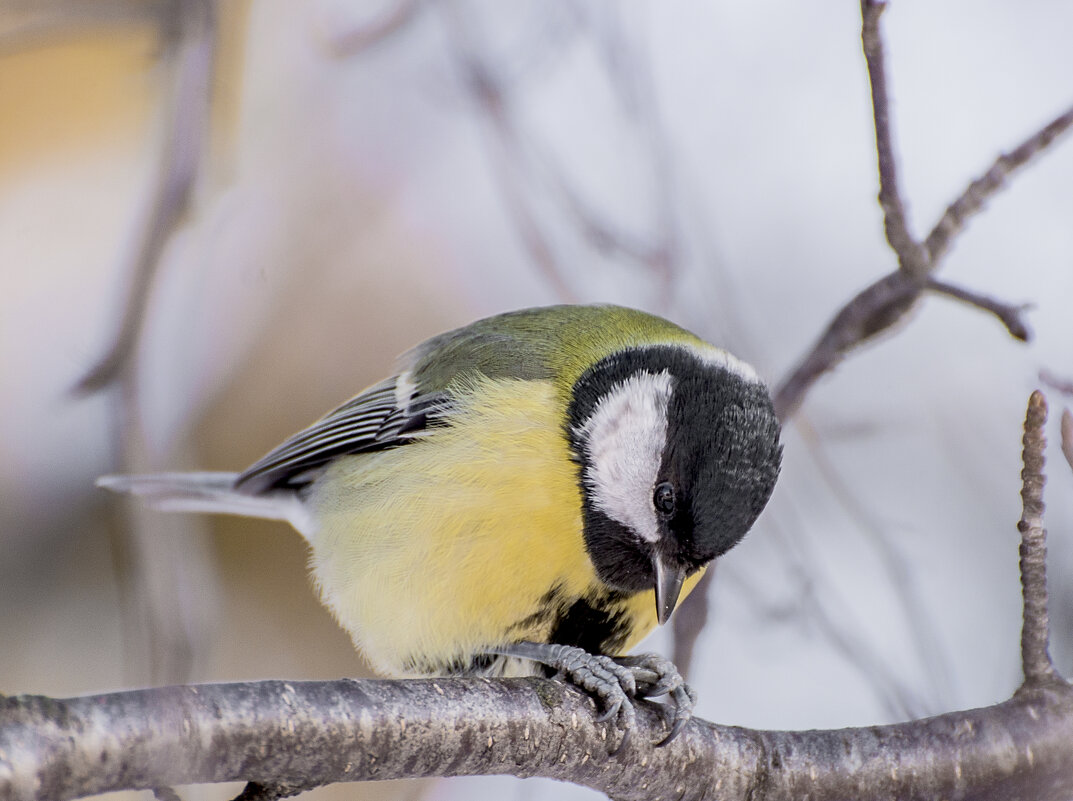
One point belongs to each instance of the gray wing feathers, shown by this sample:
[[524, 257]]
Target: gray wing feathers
[[387, 414]]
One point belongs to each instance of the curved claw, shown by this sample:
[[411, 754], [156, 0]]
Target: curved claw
[[611, 711], [676, 729], [684, 701], [665, 685], [622, 744]]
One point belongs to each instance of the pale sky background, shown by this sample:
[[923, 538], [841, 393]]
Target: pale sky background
[[357, 201]]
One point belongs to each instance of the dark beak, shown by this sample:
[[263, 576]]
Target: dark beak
[[668, 587]]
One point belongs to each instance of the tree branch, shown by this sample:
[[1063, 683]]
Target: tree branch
[[305, 734]]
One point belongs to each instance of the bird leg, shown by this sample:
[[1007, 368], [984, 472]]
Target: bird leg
[[615, 682]]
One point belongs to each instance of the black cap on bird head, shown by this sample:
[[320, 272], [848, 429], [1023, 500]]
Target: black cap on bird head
[[678, 452]]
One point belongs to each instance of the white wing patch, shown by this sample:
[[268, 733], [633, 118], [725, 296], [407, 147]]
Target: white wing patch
[[624, 439], [405, 389]]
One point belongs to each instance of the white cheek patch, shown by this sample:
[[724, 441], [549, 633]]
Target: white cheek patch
[[624, 441]]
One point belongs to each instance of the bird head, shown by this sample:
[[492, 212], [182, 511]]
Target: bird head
[[678, 452]]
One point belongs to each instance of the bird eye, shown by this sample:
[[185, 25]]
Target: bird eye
[[663, 498]]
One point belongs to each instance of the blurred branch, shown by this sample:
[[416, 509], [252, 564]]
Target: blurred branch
[[1063, 385], [928, 644], [831, 614], [689, 621], [192, 53], [486, 90], [1067, 436], [356, 38], [528, 171], [30, 23], [156, 571]]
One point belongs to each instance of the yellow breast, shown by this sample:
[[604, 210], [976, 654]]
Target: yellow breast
[[432, 552]]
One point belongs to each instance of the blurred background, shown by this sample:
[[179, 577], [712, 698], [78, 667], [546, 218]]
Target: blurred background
[[264, 203]]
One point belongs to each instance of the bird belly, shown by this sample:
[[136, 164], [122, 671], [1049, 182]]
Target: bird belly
[[468, 538]]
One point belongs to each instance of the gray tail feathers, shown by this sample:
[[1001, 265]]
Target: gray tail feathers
[[214, 493]]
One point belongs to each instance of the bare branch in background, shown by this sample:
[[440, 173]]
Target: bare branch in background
[[357, 38], [192, 54], [887, 300], [689, 621], [1063, 385], [527, 168], [32, 23], [156, 571], [833, 620], [922, 630], [485, 89], [1067, 436]]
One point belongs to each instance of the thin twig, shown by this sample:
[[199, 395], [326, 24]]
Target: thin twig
[[485, 88], [912, 258], [971, 201], [360, 37], [1055, 382], [1034, 632], [187, 122], [1008, 314], [920, 619], [830, 615], [527, 168]]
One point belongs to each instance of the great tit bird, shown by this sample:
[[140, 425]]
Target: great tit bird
[[538, 488]]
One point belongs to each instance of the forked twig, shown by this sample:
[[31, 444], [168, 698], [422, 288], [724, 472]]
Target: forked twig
[[886, 301]]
